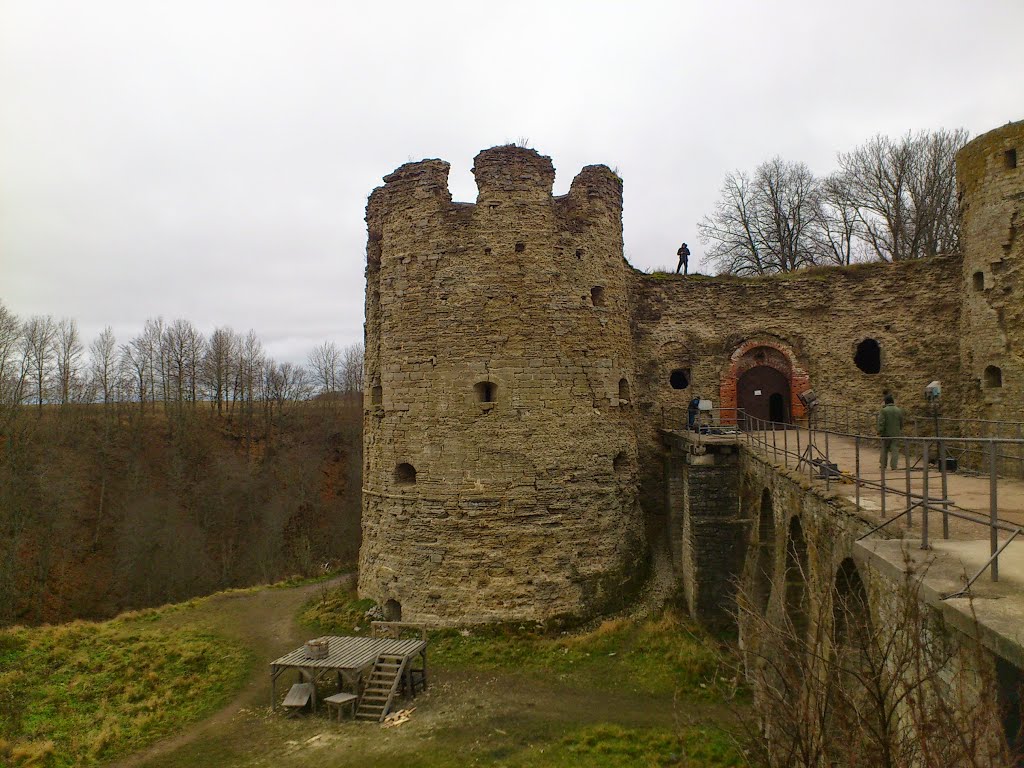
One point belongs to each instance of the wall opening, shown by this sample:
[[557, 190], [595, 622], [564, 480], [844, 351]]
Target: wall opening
[[377, 395], [623, 390], [993, 377], [764, 566], [762, 393], [851, 619], [392, 611], [868, 356], [796, 577], [979, 281], [597, 296], [620, 463], [1009, 682], [579, 253], [520, 247], [679, 378], [1010, 159], [405, 474], [486, 391]]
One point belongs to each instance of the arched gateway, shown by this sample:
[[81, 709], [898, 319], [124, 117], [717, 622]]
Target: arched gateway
[[763, 379]]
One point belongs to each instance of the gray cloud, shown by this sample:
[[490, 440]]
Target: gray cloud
[[212, 160]]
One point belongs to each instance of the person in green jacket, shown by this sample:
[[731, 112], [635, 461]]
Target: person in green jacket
[[890, 427]]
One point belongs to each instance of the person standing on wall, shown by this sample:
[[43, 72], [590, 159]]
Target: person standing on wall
[[684, 259], [691, 412], [890, 427]]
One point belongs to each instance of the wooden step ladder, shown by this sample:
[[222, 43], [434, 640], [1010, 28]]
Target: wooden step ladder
[[381, 687]]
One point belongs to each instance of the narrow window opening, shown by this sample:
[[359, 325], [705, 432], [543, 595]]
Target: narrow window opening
[[764, 569], [597, 296], [1010, 159], [619, 463], [623, 391], [993, 377], [392, 611], [979, 281], [520, 247], [579, 253], [868, 356], [679, 378], [487, 251], [377, 395], [486, 391], [405, 474]]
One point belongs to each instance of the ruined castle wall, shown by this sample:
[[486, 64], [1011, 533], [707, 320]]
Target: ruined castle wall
[[499, 366], [990, 177], [697, 323]]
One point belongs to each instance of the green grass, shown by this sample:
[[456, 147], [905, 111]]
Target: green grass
[[663, 655], [84, 693], [594, 746]]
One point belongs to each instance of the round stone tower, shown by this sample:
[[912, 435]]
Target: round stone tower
[[500, 444], [990, 178]]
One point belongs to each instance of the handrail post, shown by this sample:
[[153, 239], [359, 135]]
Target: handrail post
[[945, 489], [925, 448], [910, 513], [993, 511], [799, 455], [828, 465], [775, 447], [856, 473], [785, 446], [883, 481]]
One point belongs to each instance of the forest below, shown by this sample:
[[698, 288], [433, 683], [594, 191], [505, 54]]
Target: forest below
[[106, 507]]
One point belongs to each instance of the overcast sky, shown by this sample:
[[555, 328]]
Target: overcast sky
[[210, 159]]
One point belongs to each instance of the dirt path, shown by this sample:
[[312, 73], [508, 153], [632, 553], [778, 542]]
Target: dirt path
[[264, 621]]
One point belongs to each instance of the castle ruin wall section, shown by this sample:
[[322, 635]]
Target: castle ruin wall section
[[499, 428], [990, 180]]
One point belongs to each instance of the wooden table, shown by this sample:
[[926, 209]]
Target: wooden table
[[349, 657]]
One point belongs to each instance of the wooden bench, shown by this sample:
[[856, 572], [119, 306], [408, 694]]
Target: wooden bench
[[339, 701], [299, 696]]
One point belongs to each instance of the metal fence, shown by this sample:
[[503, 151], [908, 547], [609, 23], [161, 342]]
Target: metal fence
[[929, 453]]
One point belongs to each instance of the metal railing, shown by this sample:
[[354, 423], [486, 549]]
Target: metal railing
[[810, 449]]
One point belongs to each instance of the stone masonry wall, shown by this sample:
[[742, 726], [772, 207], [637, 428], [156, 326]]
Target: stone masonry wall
[[499, 367], [990, 177]]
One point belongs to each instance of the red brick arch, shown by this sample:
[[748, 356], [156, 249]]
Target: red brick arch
[[779, 356]]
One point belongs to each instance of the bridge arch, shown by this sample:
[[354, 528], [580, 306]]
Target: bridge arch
[[796, 577], [764, 560], [768, 367]]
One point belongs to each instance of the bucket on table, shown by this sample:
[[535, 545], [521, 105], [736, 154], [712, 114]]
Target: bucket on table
[[317, 649]]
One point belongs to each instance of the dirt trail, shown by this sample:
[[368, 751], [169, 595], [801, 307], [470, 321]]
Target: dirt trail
[[265, 622]]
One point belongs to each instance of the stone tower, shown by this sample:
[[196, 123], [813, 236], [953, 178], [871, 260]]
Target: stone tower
[[990, 177], [499, 433]]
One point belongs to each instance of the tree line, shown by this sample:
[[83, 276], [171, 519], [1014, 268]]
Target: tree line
[[889, 200], [46, 361]]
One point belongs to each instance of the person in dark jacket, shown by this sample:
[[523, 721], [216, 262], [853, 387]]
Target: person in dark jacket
[[691, 413], [890, 427], [684, 259]]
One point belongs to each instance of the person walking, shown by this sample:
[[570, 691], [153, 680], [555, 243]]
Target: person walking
[[692, 409], [684, 259], [890, 427]]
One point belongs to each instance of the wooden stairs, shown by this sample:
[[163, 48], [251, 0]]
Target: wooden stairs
[[381, 687]]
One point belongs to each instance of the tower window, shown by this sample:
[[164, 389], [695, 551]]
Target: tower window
[[405, 474], [597, 296], [1010, 159], [486, 391], [377, 395], [993, 377], [979, 281], [623, 390], [679, 378]]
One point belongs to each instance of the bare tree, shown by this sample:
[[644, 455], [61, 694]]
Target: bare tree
[[137, 361], [352, 369], [13, 365], [218, 365], [38, 334], [67, 355], [325, 362], [103, 363], [838, 231], [904, 192], [765, 224]]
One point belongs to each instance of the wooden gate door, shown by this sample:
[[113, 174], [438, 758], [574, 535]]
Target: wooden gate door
[[763, 392]]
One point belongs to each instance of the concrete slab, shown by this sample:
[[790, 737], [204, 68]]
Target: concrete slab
[[994, 611]]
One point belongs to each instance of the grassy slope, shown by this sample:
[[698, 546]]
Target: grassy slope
[[83, 693]]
